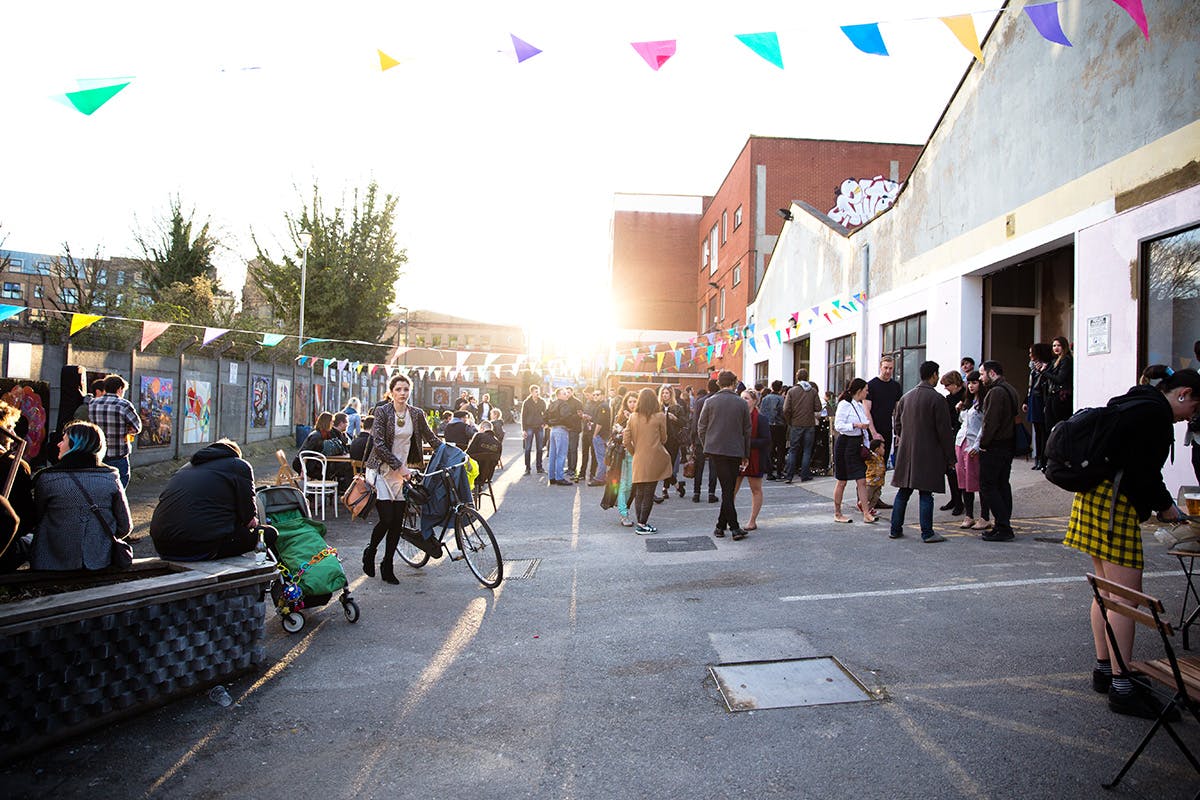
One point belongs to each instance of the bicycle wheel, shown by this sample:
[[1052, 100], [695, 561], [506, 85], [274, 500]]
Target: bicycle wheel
[[409, 553], [478, 546]]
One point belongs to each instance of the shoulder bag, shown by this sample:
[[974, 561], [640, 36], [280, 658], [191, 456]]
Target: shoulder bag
[[359, 497], [122, 551]]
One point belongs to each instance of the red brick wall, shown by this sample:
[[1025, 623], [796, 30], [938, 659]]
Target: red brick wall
[[655, 261]]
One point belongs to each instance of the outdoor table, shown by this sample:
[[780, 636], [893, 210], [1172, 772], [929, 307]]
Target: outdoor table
[[1190, 593]]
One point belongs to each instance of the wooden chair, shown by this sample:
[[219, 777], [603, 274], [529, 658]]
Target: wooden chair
[[286, 474], [1180, 675], [320, 487]]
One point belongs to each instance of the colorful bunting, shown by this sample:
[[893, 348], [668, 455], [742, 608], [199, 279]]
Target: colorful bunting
[[620, 363], [88, 101], [271, 339], [386, 62], [753, 346], [963, 28], [708, 352], [7, 312], [307, 342], [655, 53], [523, 49], [151, 331], [765, 45], [81, 321], [737, 345], [213, 333], [866, 38], [1134, 9], [1044, 17], [678, 359], [659, 357]]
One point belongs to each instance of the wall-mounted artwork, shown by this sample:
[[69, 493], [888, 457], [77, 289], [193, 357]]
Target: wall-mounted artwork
[[260, 401], [155, 407], [300, 403], [442, 396], [283, 400], [32, 399], [197, 419], [318, 402]]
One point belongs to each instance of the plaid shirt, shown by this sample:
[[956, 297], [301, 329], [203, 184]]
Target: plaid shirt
[[117, 418]]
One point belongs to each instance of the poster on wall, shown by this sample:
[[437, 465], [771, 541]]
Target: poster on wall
[[283, 400], [300, 405], [32, 399], [260, 401], [155, 409], [318, 402], [441, 397], [197, 418]]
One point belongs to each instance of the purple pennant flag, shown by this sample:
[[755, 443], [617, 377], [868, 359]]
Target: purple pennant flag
[[1044, 17], [712, 337], [816, 310], [693, 354], [866, 38], [524, 49]]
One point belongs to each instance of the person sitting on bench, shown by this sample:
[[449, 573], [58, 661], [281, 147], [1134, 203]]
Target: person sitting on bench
[[207, 509]]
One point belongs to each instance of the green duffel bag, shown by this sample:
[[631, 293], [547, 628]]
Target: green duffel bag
[[300, 539]]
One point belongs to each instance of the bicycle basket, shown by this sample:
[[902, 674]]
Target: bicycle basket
[[416, 493]]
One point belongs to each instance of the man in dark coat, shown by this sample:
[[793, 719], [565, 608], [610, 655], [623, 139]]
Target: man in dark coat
[[924, 450], [459, 431], [208, 510], [724, 431]]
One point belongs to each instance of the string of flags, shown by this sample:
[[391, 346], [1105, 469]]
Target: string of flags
[[93, 93]]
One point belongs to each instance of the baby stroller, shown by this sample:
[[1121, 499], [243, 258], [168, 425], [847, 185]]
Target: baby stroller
[[309, 571]]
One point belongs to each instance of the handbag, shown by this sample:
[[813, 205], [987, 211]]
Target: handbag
[[122, 551], [359, 497]]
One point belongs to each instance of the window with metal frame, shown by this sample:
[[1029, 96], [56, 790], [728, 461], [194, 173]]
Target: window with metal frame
[[13, 291], [1168, 321], [904, 340], [839, 363]]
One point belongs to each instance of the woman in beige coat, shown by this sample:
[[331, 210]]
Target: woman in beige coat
[[645, 438]]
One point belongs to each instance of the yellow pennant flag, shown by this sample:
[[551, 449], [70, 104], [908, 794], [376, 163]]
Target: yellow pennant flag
[[963, 28], [772, 322], [737, 345], [659, 358], [81, 321], [386, 62]]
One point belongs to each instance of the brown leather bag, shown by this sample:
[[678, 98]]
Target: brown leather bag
[[359, 497]]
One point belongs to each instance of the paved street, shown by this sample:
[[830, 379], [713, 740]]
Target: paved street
[[586, 674]]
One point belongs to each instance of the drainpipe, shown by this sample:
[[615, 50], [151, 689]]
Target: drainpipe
[[863, 327]]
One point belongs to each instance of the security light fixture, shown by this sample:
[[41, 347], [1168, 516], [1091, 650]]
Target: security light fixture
[[786, 214], [714, 284]]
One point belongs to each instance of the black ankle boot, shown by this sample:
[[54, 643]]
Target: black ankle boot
[[369, 562], [386, 574]]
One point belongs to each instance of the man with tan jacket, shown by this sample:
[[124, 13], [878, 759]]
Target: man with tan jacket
[[800, 408]]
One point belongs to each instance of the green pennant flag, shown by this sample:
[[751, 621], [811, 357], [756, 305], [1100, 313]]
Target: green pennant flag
[[764, 44], [88, 101]]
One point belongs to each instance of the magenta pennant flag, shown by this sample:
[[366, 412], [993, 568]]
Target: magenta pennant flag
[[213, 333], [151, 331], [1044, 17], [795, 318], [524, 49], [1134, 9], [655, 53], [866, 38]]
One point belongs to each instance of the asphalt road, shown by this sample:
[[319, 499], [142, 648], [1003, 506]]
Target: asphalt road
[[587, 673]]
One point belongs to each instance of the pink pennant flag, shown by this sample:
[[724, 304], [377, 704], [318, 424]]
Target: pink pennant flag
[[655, 53], [213, 333], [795, 319], [827, 319], [151, 331], [1134, 9]]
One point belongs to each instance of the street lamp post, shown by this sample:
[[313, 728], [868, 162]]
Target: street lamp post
[[305, 239]]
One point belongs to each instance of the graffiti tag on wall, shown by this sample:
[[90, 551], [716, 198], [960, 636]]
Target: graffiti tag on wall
[[856, 201]]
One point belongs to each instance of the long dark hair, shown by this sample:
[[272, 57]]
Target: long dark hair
[[1066, 347], [1188, 378], [855, 386], [647, 404]]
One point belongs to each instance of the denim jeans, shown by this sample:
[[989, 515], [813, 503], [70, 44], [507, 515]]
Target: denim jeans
[[558, 452], [122, 465], [900, 504], [599, 448], [800, 447], [533, 439], [625, 487]]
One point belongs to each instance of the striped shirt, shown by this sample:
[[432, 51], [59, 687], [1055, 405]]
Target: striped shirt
[[117, 418]]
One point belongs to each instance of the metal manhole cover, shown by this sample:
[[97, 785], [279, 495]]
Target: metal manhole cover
[[520, 569], [788, 684], [685, 544]]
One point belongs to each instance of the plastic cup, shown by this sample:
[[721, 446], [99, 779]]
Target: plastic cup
[[1192, 501]]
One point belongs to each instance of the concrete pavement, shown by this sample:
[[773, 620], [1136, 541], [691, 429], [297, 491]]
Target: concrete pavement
[[586, 674]]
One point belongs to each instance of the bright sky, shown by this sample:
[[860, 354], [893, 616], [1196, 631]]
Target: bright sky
[[505, 172]]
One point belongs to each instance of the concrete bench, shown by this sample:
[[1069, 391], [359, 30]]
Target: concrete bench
[[80, 659]]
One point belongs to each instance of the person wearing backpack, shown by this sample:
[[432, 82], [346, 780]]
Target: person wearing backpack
[[1108, 529], [1001, 405]]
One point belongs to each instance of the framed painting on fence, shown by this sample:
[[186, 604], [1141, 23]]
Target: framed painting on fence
[[300, 403], [32, 399], [260, 401], [197, 420], [441, 397], [155, 407], [283, 400]]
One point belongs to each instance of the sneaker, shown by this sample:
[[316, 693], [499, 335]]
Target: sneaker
[[998, 535], [642, 530], [660, 498], [967, 523], [626, 522], [738, 534], [719, 533], [1141, 702], [933, 538], [981, 525], [895, 534]]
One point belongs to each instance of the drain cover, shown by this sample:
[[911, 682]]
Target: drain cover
[[787, 684], [519, 569], [686, 544]]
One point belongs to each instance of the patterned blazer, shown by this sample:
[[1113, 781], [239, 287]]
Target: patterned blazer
[[383, 434]]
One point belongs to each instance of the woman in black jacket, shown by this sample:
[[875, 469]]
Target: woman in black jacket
[[396, 436], [1143, 437], [1059, 382]]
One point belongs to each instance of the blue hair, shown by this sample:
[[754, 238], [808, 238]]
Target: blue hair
[[85, 437]]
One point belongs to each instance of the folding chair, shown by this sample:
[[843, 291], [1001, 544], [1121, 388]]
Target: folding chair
[[320, 487], [286, 474], [483, 481], [1180, 675]]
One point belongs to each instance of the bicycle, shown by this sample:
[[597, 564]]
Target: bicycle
[[474, 537]]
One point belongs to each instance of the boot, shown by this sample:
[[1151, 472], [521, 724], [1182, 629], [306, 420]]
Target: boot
[[369, 561], [386, 573]]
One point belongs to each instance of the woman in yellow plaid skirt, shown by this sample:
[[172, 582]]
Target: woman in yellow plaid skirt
[[1144, 433]]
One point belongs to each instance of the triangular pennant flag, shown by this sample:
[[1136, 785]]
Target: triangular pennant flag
[[963, 28], [850, 305], [736, 346], [271, 339], [753, 345], [674, 345], [678, 359], [151, 331], [659, 357], [213, 333], [764, 44], [655, 53], [795, 318], [329, 362], [858, 296], [460, 358], [1135, 10], [7, 312], [620, 362], [778, 337], [386, 62], [816, 311], [653, 347], [827, 319], [772, 321], [81, 321], [767, 340], [836, 313], [866, 38], [524, 49], [836, 303], [1044, 17], [490, 359], [720, 349], [88, 101], [708, 352], [712, 337], [693, 354], [307, 342]]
